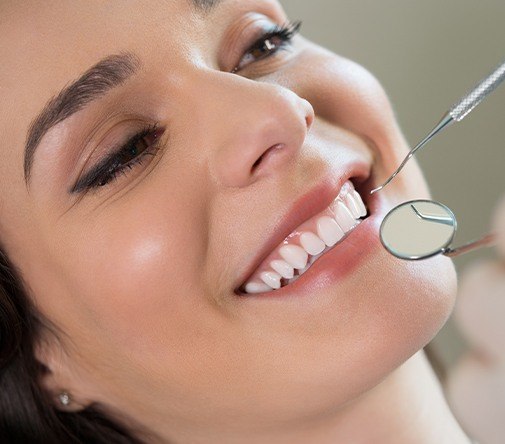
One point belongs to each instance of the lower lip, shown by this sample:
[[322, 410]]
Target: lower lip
[[340, 261]]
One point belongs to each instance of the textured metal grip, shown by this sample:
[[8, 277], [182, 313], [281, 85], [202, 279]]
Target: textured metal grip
[[466, 104]]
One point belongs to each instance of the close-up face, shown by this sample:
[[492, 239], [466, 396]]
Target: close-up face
[[156, 157]]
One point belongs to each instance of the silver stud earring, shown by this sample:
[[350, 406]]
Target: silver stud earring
[[64, 398]]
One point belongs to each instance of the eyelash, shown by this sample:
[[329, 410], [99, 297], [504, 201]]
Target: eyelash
[[284, 33], [110, 168]]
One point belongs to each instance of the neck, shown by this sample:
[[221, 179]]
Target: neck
[[408, 406]]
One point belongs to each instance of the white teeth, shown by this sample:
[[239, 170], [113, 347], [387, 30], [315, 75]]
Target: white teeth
[[363, 211], [294, 255], [343, 216], [283, 268], [304, 269], [311, 243], [314, 258], [257, 287], [352, 205], [272, 279], [340, 218], [329, 231]]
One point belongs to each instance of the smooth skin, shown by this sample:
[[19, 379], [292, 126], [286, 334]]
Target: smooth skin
[[138, 276]]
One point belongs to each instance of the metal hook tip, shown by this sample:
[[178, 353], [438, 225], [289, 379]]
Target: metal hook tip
[[383, 185]]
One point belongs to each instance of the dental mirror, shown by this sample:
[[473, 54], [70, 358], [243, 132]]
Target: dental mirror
[[420, 229]]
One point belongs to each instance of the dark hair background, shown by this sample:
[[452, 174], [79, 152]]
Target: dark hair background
[[27, 413]]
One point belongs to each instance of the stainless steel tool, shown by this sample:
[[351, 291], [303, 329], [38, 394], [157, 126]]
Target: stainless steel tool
[[456, 113]]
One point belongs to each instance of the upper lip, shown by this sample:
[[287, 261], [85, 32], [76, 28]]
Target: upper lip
[[315, 200]]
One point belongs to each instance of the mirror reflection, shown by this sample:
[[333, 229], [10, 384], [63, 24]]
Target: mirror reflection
[[418, 229]]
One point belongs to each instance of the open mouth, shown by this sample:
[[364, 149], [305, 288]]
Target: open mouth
[[308, 242]]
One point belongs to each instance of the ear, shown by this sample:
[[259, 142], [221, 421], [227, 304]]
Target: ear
[[58, 376]]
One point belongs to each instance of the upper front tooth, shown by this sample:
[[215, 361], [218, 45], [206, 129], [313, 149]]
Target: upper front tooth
[[343, 216], [283, 268], [294, 255], [363, 212], [350, 202], [271, 278], [329, 231], [312, 244]]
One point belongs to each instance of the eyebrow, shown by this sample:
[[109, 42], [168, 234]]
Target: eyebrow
[[206, 5], [107, 74]]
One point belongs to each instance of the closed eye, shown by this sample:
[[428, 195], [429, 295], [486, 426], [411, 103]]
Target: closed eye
[[146, 142], [131, 154]]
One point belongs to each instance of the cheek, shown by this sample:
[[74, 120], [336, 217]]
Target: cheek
[[137, 277], [345, 93], [411, 301], [392, 309], [414, 301]]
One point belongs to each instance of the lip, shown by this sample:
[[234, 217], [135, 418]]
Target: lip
[[343, 258], [308, 205]]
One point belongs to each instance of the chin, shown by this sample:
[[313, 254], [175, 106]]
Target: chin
[[410, 303], [413, 300], [381, 316], [337, 334]]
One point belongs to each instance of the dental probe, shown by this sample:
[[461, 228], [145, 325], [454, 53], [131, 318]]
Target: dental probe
[[457, 113]]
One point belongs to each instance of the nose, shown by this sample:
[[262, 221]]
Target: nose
[[254, 129]]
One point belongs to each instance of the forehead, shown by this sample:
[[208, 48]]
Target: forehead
[[46, 39]]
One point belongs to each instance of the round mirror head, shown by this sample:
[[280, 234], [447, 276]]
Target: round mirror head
[[418, 229]]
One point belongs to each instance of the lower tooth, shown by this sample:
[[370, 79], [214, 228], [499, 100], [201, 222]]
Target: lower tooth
[[317, 256], [261, 287], [298, 273], [257, 287], [272, 279], [304, 270]]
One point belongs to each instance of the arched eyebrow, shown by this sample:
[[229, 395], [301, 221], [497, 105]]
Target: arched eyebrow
[[206, 5], [107, 74]]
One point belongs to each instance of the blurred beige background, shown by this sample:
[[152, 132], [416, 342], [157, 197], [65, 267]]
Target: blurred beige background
[[428, 53]]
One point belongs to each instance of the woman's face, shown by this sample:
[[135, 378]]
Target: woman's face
[[139, 266]]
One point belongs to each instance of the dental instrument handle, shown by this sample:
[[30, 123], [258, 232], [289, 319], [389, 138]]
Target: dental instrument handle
[[457, 113], [488, 240], [467, 103]]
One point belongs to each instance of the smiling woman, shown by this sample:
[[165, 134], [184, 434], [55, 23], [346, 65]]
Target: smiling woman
[[189, 251]]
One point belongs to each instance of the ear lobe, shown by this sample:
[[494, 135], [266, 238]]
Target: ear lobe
[[56, 378], [62, 397]]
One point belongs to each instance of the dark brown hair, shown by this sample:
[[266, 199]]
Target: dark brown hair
[[27, 413]]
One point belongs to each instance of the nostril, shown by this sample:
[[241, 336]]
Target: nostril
[[266, 154], [309, 114], [309, 120], [255, 164]]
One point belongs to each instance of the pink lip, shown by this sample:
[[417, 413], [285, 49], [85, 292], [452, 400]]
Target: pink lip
[[342, 259], [314, 201]]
